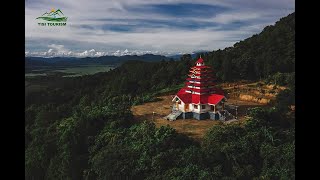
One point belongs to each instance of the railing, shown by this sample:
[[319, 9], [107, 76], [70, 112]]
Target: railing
[[174, 109], [173, 115], [227, 115]]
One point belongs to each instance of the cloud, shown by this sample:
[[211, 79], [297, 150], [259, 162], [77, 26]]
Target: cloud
[[57, 47], [155, 25], [59, 51]]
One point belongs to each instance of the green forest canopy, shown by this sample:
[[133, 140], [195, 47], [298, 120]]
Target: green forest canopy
[[82, 127]]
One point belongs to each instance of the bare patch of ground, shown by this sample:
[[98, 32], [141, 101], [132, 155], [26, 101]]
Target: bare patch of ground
[[191, 127], [197, 128], [258, 92]]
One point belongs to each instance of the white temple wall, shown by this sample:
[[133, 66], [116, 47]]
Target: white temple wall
[[196, 110], [206, 109], [181, 107]]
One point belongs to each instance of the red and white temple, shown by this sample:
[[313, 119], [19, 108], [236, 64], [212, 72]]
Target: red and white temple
[[199, 99]]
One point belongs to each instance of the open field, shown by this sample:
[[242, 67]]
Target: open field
[[71, 71], [30, 87], [85, 70]]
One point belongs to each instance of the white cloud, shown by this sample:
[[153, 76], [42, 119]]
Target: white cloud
[[143, 39], [59, 51], [57, 47], [235, 16]]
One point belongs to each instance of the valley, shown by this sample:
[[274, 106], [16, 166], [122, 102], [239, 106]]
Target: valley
[[73, 71]]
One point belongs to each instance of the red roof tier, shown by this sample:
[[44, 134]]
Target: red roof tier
[[201, 75], [201, 71], [208, 93], [200, 60], [201, 67], [200, 80], [201, 90], [200, 85], [215, 98], [199, 99]]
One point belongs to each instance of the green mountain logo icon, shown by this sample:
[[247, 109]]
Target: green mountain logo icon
[[54, 16]]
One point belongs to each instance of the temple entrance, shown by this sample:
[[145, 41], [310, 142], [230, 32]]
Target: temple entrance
[[186, 107], [212, 108]]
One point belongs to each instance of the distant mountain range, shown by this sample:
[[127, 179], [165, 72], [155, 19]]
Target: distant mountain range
[[193, 54], [38, 62], [94, 53]]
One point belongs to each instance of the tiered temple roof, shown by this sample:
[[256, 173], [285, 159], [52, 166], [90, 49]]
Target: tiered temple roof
[[200, 87]]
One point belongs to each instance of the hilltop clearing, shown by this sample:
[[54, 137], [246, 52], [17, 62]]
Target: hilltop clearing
[[197, 128]]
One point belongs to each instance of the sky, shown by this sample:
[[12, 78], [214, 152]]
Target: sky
[[120, 27]]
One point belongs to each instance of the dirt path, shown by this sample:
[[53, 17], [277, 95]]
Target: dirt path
[[191, 127]]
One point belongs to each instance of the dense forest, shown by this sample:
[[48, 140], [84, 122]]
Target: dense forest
[[262, 55], [82, 127]]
